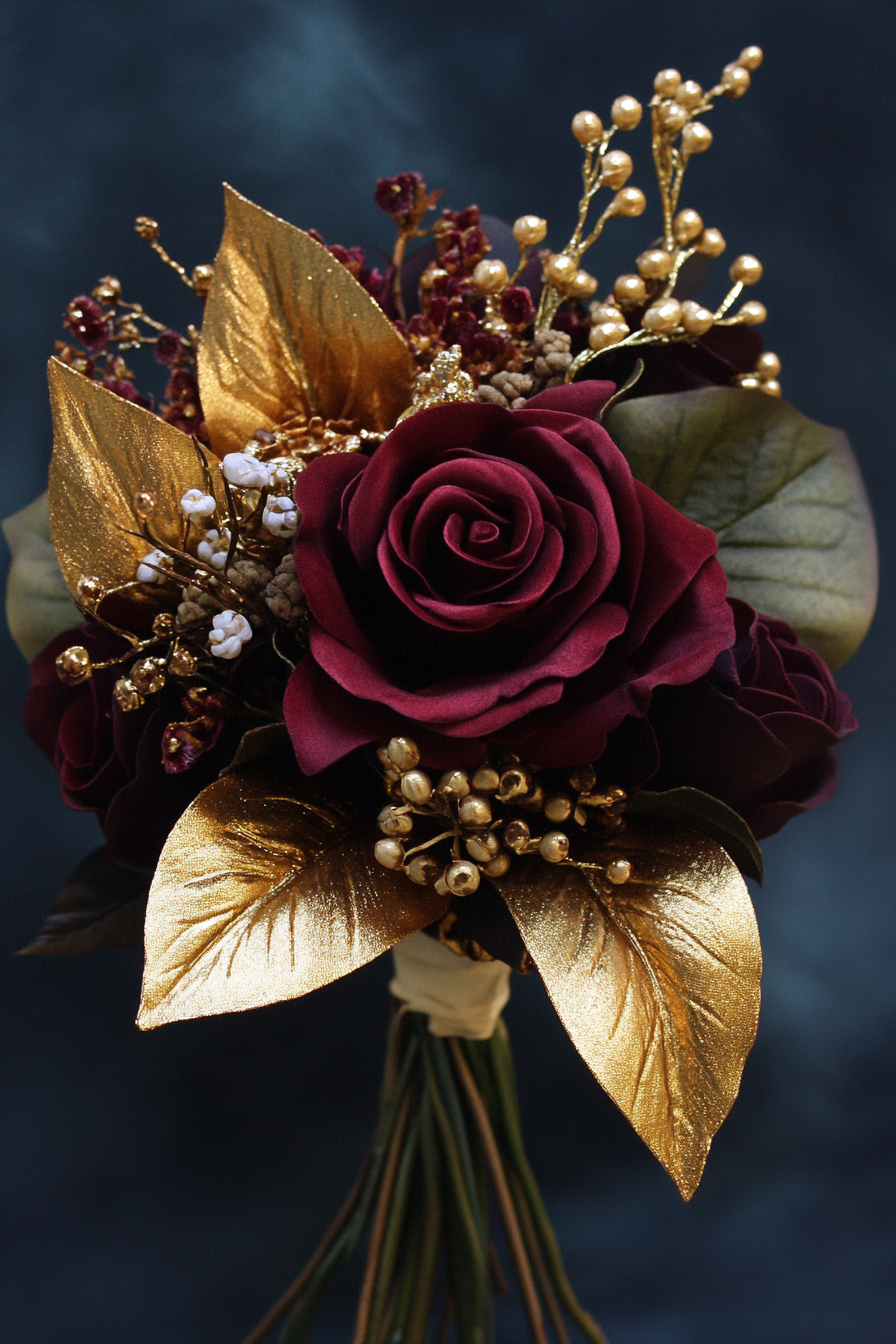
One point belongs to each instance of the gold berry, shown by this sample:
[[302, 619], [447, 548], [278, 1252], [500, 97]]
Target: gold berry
[[587, 127], [462, 878], [629, 202], [695, 318], [617, 168], [554, 847], [662, 316], [695, 138], [163, 625], [606, 334], [630, 289], [673, 118], [619, 871], [182, 662], [403, 753], [73, 665], [390, 853], [147, 228], [416, 787], [689, 94], [711, 243], [750, 58], [771, 386], [126, 695], [686, 225], [490, 276], [746, 269], [666, 83], [145, 503], [768, 364], [735, 80], [582, 285], [654, 264], [529, 230], [752, 313], [560, 269], [626, 112], [202, 278]]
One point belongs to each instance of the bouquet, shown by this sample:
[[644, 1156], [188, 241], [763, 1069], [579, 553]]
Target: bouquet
[[458, 611]]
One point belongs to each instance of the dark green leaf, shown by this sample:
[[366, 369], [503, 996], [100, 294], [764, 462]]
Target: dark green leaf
[[783, 494], [101, 905], [702, 812]]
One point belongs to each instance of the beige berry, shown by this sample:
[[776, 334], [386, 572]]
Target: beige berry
[[629, 202], [630, 289], [626, 112], [673, 118], [498, 866], [582, 286], [462, 878], [390, 853], [662, 316], [750, 58], [735, 80], [403, 753], [486, 780], [695, 138], [529, 230], [483, 847], [695, 319], [619, 871], [686, 225], [689, 94], [423, 869], [393, 822], [771, 386], [606, 334], [554, 847], [560, 269], [416, 787], [557, 808], [616, 168], [752, 313], [711, 243], [490, 277], [746, 269], [587, 127], [474, 810], [666, 83], [516, 835], [768, 364], [454, 784], [654, 264]]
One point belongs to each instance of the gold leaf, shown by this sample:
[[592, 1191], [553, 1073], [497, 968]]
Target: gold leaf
[[656, 980], [289, 331], [105, 450], [266, 889]]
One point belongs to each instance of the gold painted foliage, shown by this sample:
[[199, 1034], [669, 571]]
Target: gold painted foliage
[[288, 331], [105, 450], [266, 889], [656, 981]]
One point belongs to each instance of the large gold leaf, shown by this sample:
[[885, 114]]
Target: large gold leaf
[[656, 981], [289, 331], [105, 450], [266, 889]]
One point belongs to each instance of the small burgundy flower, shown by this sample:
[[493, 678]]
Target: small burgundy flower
[[169, 346], [85, 319], [759, 730], [398, 195], [489, 575], [124, 388], [517, 308], [185, 741]]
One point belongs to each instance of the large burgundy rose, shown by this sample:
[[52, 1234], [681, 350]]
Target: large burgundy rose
[[493, 575], [759, 730], [110, 762]]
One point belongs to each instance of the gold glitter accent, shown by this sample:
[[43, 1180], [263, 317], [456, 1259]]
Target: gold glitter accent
[[656, 981], [106, 451], [445, 381], [267, 888], [288, 331]]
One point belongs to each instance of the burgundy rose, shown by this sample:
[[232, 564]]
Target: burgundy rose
[[110, 762], [495, 575], [758, 731]]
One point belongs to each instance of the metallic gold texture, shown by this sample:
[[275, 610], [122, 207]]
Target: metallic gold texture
[[105, 451], [266, 889], [656, 981], [289, 332]]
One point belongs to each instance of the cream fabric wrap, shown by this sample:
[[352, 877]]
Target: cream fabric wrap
[[462, 997]]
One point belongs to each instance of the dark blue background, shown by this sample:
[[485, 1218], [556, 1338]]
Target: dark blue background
[[161, 1189]]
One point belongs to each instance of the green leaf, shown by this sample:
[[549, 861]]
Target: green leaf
[[38, 604], [101, 905], [703, 812], [783, 494]]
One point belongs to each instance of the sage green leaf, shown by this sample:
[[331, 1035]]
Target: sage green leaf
[[102, 904], [783, 494], [38, 604], [702, 812]]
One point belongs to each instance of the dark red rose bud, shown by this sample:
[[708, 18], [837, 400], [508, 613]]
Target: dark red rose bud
[[124, 388], [169, 346], [183, 743], [757, 731], [398, 195], [85, 319], [517, 308]]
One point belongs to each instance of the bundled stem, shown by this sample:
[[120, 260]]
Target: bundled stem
[[449, 1133]]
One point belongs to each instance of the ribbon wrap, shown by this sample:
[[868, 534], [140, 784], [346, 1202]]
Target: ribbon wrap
[[462, 997]]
